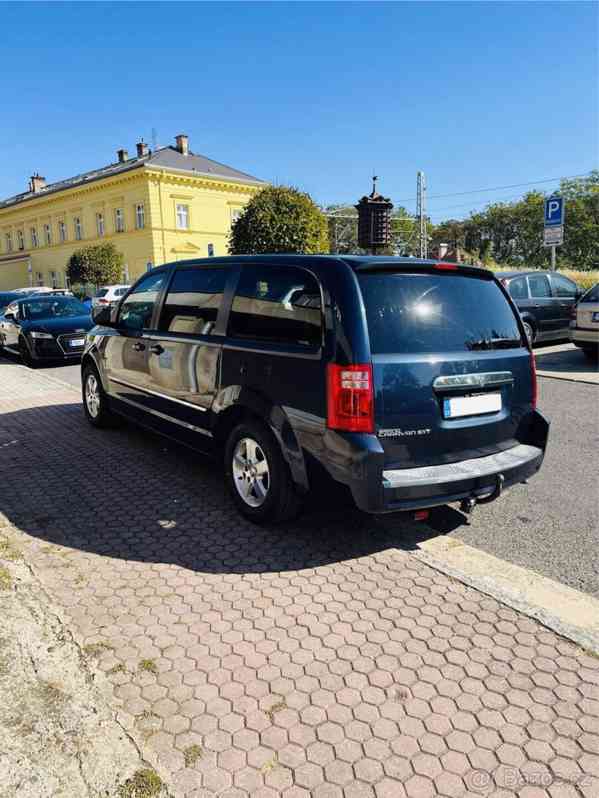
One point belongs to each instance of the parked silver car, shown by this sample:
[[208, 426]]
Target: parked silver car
[[584, 327]]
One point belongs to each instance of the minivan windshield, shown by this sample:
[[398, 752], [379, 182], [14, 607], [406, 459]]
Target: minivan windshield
[[422, 313]]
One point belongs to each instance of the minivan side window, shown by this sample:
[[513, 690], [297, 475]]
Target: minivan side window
[[137, 308], [518, 288], [193, 300], [563, 287], [278, 305], [539, 286]]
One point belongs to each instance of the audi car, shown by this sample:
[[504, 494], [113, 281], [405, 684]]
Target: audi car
[[45, 327]]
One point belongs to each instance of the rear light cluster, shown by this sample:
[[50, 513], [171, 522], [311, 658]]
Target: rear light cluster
[[533, 375], [350, 400]]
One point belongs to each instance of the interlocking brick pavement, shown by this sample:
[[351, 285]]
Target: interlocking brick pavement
[[320, 659]]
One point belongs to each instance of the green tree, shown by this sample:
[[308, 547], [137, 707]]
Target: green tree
[[279, 219], [99, 265]]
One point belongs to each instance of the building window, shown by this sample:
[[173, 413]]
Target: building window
[[8, 242], [139, 216], [34, 241], [62, 232], [235, 214], [39, 278], [100, 224], [78, 228], [183, 217], [54, 279], [126, 274], [20, 240], [67, 280], [119, 221], [47, 234]]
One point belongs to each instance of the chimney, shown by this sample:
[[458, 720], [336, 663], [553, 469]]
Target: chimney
[[142, 149], [122, 155], [182, 143], [36, 183]]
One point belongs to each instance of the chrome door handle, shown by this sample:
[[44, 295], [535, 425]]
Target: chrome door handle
[[157, 349], [139, 347]]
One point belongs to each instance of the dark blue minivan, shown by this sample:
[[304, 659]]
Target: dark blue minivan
[[411, 382]]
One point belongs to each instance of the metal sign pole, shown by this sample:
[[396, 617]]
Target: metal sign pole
[[553, 258]]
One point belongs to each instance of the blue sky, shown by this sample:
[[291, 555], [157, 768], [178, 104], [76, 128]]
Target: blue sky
[[317, 95]]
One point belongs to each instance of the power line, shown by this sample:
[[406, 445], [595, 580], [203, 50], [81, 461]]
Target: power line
[[498, 188]]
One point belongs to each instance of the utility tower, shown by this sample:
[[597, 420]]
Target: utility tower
[[421, 214]]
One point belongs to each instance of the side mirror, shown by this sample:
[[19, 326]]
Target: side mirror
[[9, 316], [102, 315]]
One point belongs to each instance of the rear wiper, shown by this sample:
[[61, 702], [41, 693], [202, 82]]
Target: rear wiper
[[494, 343]]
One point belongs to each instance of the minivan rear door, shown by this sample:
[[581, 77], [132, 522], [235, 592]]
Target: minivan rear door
[[452, 374]]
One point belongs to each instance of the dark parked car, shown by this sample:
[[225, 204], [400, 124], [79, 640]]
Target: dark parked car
[[45, 327], [411, 382], [545, 300]]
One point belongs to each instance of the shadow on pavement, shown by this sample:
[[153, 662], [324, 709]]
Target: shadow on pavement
[[129, 494]]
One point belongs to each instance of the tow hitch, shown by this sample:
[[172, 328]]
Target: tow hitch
[[467, 505]]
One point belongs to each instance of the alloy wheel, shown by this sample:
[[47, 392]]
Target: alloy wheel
[[92, 396], [251, 474], [529, 332]]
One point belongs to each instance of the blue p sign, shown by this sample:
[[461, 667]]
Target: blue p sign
[[554, 211]]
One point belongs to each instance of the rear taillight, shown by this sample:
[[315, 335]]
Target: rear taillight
[[350, 401], [103, 302], [533, 377]]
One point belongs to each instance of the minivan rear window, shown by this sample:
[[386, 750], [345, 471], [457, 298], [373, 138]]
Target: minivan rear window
[[592, 295], [420, 313], [101, 292]]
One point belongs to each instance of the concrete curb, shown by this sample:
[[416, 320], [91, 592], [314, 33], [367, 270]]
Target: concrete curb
[[562, 609]]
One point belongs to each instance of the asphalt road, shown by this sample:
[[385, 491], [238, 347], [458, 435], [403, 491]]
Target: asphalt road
[[550, 525]]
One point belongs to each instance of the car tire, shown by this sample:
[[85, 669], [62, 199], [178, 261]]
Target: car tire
[[28, 359], [95, 401], [530, 331], [257, 475]]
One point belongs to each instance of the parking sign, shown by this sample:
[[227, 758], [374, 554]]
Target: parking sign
[[554, 211]]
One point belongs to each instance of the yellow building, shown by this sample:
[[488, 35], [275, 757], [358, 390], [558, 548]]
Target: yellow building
[[159, 206]]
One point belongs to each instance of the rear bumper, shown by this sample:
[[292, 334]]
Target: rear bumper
[[393, 490], [581, 335], [414, 488]]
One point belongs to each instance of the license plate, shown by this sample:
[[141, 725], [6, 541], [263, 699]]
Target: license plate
[[77, 342], [595, 316], [459, 406]]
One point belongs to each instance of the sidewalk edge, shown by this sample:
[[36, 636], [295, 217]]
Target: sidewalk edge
[[510, 595]]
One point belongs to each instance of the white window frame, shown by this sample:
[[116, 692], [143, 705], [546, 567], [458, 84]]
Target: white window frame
[[20, 240], [62, 231], [140, 216], [9, 242], [67, 280], [39, 277], [100, 229], [54, 279], [182, 216], [34, 240], [47, 236], [78, 228], [119, 220]]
